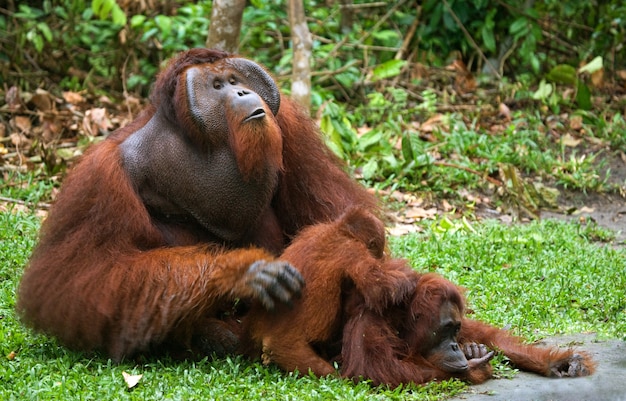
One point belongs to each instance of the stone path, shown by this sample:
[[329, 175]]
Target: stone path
[[607, 384]]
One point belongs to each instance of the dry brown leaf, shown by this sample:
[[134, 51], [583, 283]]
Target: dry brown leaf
[[362, 130], [403, 229], [12, 98], [413, 201], [576, 122], [597, 78], [73, 97], [42, 100], [432, 123], [420, 213], [21, 123], [96, 120], [464, 81], [598, 141], [51, 129], [131, 380], [570, 141], [497, 128], [504, 111], [446, 206]]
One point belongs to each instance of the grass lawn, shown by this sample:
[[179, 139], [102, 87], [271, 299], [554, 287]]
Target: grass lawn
[[540, 279]]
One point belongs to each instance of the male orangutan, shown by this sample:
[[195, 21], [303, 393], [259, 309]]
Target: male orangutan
[[181, 211], [394, 325]]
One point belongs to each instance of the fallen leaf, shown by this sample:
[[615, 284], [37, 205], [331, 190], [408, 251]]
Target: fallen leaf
[[96, 120], [42, 100], [506, 219], [12, 98], [73, 97], [420, 213], [22, 123], [131, 380], [576, 122], [464, 80], [570, 141], [403, 229], [19, 140], [597, 78], [432, 123], [504, 111]]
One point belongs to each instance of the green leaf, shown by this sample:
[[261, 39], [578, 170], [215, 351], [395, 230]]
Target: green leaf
[[137, 21], [96, 5], [544, 90], [583, 96], [165, 24], [519, 27], [407, 148], [535, 63], [562, 74], [102, 8], [37, 40], [334, 137], [386, 35], [370, 168], [592, 66], [371, 138], [119, 17], [388, 69], [45, 31], [488, 38]]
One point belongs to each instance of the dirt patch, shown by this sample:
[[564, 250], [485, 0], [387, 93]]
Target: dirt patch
[[607, 210]]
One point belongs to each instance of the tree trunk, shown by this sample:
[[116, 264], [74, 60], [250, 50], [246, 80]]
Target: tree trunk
[[301, 45], [347, 14], [225, 25]]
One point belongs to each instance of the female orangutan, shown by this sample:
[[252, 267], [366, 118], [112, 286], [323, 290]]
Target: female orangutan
[[381, 320]]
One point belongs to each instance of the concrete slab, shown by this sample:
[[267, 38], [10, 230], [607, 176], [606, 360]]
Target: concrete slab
[[607, 384]]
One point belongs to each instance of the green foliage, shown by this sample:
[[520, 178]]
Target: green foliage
[[101, 38], [389, 152], [170, 34], [32, 31], [565, 74], [102, 8], [368, 106]]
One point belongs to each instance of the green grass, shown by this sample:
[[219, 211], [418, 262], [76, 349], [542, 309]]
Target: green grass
[[543, 278]]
